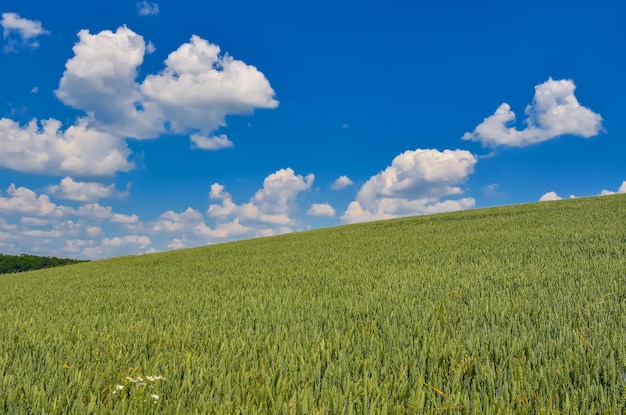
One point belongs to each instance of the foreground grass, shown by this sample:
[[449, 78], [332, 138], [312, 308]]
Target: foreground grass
[[514, 310]]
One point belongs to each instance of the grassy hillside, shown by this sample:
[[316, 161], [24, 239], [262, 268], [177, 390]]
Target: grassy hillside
[[512, 310]]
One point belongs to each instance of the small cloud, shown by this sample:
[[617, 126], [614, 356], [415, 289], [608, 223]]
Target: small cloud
[[491, 189], [176, 244], [321, 209], [145, 8], [622, 189], [35, 90], [150, 48], [341, 183], [17, 29], [345, 126], [549, 196], [210, 143]]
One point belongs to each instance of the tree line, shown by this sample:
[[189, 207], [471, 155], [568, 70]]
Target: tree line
[[19, 263]]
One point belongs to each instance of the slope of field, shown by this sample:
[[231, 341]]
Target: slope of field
[[512, 310]]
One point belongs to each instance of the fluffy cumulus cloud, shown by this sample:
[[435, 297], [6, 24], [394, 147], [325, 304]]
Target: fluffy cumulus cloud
[[145, 8], [194, 92], [199, 87], [549, 196], [417, 182], [279, 191], [42, 147], [101, 80], [341, 183], [20, 31], [271, 204], [555, 111], [321, 209], [84, 191]]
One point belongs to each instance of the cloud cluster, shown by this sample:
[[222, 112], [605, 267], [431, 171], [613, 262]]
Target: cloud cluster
[[42, 226], [270, 205], [193, 94], [44, 148], [268, 212], [555, 111], [415, 183], [20, 31]]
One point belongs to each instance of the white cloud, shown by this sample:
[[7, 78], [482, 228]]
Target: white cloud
[[24, 201], [210, 143], [176, 244], [194, 92], [38, 233], [321, 209], [41, 147], [341, 183], [266, 213], [171, 221], [622, 189], [26, 31], [549, 196], [39, 224], [94, 231], [270, 205], [555, 111], [100, 80], [30, 221], [93, 212], [83, 191], [124, 219], [414, 184], [198, 87], [140, 240], [145, 8], [279, 191]]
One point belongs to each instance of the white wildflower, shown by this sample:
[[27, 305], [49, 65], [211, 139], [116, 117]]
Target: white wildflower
[[155, 397]]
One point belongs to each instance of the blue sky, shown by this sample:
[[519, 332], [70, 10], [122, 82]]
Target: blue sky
[[129, 127]]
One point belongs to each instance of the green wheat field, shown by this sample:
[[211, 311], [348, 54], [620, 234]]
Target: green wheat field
[[509, 310]]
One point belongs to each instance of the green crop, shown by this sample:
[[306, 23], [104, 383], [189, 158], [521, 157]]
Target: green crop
[[512, 310]]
